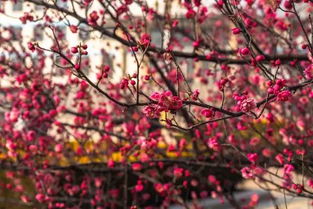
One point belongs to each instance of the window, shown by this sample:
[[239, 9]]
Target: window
[[59, 61], [35, 60], [83, 33], [38, 32], [17, 5], [85, 65], [190, 68], [16, 33], [108, 58], [156, 37], [13, 56], [61, 32], [38, 7], [61, 3]]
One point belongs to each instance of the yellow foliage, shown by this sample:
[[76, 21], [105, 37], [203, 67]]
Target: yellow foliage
[[83, 160], [91, 147], [64, 162], [3, 156], [162, 118], [162, 145], [117, 156]]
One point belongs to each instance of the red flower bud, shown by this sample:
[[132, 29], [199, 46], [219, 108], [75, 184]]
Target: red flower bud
[[74, 50], [244, 51]]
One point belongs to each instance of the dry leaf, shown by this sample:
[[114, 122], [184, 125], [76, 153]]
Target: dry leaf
[[272, 3]]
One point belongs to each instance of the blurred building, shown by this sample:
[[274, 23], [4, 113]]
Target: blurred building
[[101, 49]]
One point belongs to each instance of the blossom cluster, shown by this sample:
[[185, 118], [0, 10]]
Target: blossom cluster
[[244, 103], [165, 101], [277, 89]]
